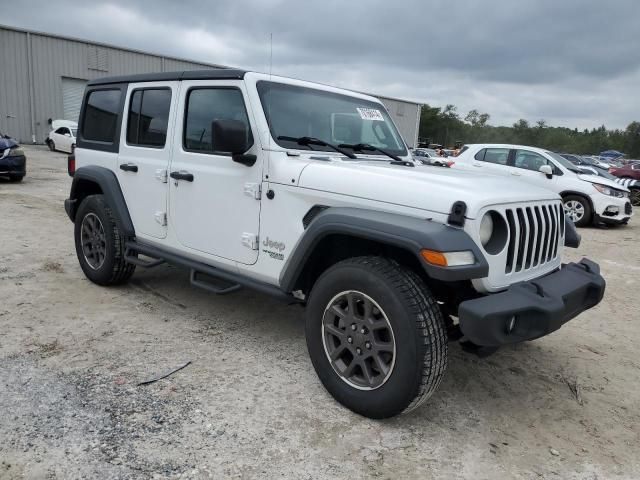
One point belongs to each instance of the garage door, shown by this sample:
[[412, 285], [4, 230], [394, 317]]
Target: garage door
[[72, 91]]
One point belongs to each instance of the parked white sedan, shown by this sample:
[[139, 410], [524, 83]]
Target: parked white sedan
[[63, 136]]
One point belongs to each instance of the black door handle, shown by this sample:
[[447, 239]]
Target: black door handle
[[182, 175], [129, 167]]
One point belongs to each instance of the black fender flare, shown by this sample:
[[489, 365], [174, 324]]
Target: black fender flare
[[108, 183], [410, 233]]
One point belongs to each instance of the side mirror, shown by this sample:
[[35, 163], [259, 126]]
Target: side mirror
[[232, 136], [547, 170], [67, 134]]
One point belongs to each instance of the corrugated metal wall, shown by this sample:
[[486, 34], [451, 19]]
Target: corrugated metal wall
[[53, 58], [14, 85], [406, 116]]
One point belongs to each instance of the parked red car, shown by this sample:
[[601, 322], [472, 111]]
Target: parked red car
[[631, 170]]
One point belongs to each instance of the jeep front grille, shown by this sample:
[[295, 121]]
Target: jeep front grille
[[535, 232]]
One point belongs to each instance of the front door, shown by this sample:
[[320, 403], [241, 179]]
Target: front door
[[214, 201], [145, 148], [527, 165]]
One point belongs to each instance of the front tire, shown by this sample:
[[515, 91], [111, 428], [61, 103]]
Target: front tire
[[578, 209], [395, 357], [52, 145], [99, 243]]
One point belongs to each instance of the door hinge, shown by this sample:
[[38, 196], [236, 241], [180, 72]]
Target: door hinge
[[250, 240], [161, 174], [161, 218], [253, 190]]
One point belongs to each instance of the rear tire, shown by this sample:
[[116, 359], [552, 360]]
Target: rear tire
[[99, 243], [578, 209], [52, 145], [383, 383]]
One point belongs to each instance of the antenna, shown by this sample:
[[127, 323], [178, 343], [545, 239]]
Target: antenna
[[269, 98]]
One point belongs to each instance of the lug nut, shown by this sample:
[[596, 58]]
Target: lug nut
[[368, 345], [353, 327], [363, 330], [358, 351], [349, 340]]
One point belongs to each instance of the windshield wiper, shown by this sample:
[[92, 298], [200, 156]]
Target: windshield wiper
[[365, 147], [309, 141]]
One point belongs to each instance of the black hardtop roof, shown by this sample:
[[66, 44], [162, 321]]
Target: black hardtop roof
[[212, 74]]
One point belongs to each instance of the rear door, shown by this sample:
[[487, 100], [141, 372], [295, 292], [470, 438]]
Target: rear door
[[218, 211], [145, 149], [493, 161]]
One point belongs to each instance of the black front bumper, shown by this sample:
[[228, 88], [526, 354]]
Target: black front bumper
[[14, 166], [530, 310]]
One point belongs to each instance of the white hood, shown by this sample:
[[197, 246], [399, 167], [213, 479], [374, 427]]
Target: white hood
[[602, 181], [429, 188], [56, 124]]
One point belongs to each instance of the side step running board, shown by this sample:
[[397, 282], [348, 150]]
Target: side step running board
[[130, 256], [218, 290], [232, 281]]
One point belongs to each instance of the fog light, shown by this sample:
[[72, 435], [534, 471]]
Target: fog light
[[613, 209], [511, 324]]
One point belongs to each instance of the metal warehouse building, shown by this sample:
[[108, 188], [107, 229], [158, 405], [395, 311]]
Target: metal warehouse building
[[43, 77]]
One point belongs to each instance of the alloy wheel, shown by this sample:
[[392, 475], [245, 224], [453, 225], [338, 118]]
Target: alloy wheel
[[94, 244], [574, 210], [358, 340]]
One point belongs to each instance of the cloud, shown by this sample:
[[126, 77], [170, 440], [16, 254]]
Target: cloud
[[573, 63]]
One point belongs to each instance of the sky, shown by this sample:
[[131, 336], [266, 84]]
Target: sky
[[573, 63]]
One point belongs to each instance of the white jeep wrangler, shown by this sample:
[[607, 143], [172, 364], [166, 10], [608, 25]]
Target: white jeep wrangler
[[308, 193]]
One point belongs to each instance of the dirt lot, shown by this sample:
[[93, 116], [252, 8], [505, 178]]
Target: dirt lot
[[250, 405]]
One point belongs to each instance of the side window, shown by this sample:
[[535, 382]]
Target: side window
[[499, 156], [61, 131], [101, 116], [206, 105], [480, 155], [149, 117], [530, 160]]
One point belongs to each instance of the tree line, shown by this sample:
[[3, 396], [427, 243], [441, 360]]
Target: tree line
[[447, 127]]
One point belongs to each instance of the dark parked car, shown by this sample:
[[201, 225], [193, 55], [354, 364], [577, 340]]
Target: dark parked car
[[630, 171], [13, 163]]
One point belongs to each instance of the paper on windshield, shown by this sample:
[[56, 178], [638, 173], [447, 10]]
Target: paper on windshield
[[370, 114]]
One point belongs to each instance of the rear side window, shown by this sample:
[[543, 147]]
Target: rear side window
[[498, 156], [204, 105], [101, 116], [149, 117]]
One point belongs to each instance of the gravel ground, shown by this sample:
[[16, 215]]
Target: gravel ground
[[250, 406]]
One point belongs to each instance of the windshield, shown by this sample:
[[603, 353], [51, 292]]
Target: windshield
[[564, 162], [296, 112]]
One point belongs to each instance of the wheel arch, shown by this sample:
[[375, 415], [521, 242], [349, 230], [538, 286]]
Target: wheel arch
[[338, 233], [94, 180], [566, 193]]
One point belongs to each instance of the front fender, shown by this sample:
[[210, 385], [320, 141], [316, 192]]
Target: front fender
[[409, 233]]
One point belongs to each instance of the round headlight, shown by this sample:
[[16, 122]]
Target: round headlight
[[486, 228], [493, 232]]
